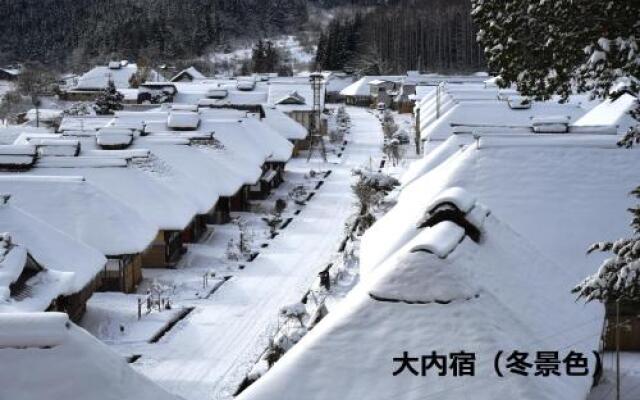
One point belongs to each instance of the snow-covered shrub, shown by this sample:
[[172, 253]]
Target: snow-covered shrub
[[109, 100], [298, 194], [376, 180], [233, 251], [245, 242], [289, 337], [295, 311]]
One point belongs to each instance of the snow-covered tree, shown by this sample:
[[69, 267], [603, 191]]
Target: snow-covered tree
[[561, 47], [618, 278], [109, 100]]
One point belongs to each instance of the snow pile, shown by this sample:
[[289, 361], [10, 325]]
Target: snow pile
[[64, 362]]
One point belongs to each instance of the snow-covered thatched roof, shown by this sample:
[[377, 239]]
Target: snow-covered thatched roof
[[476, 299], [283, 124], [538, 202], [614, 113], [45, 356], [293, 95], [69, 264], [98, 78], [190, 74], [149, 197], [361, 86], [494, 113], [82, 211], [264, 136]]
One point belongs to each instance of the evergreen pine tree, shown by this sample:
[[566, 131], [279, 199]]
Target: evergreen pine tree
[[109, 100]]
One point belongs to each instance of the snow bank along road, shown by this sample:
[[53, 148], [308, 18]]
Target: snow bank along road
[[208, 354]]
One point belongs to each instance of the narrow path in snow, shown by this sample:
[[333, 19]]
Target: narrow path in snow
[[209, 353]]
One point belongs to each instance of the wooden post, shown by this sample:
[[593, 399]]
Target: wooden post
[[139, 308], [618, 349]]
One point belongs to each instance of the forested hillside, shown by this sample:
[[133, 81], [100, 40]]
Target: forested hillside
[[56, 31], [374, 36], [431, 35]]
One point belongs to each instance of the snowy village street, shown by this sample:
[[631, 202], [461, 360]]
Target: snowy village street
[[206, 355]]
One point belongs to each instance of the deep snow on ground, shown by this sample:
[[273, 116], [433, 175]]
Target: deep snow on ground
[[629, 378], [209, 353]]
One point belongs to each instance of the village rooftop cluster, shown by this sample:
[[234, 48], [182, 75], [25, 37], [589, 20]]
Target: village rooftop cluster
[[485, 240]]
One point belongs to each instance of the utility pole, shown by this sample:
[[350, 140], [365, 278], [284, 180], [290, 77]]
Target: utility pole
[[618, 349], [317, 82]]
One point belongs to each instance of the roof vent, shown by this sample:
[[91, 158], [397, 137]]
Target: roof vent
[[57, 147], [183, 121], [457, 206], [17, 157], [551, 124], [246, 85], [114, 138], [215, 93]]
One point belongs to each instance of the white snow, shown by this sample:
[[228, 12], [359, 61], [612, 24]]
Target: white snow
[[611, 113], [183, 120], [113, 137], [457, 196], [478, 299], [361, 87], [496, 114], [283, 124], [54, 250], [77, 366], [82, 211], [33, 330], [210, 354]]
